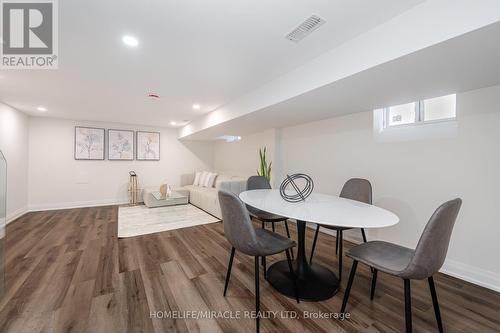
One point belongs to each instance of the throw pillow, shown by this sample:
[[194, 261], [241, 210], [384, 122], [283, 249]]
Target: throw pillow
[[203, 178], [197, 176], [210, 180], [207, 178]]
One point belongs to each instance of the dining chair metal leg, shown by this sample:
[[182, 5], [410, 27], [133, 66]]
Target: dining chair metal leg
[[288, 234], [290, 266], [287, 230], [337, 242], [363, 234], [349, 285], [364, 241], [263, 227], [228, 274], [264, 267], [435, 303], [408, 306], [340, 253], [257, 295], [374, 284], [314, 244]]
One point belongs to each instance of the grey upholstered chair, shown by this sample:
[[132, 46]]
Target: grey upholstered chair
[[408, 264], [261, 183], [241, 234], [355, 189]]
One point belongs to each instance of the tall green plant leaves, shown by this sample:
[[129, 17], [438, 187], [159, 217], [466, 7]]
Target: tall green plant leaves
[[264, 168]]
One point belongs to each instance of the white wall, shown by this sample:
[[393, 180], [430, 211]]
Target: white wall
[[412, 177], [56, 180], [241, 158], [14, 145]]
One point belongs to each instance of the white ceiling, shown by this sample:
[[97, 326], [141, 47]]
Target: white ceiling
[[468, 62], [191, 51]]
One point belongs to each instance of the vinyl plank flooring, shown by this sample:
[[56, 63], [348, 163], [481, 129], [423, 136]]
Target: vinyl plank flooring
[[128, 255], [160, 300], [107, 268], [73, 315], [51, 295], [88, 265], [187, 298], [134, 302], [107, 314], [181, 253], [66, 271]]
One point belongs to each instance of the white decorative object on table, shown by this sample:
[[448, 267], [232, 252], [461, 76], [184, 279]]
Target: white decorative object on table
[[163, 190]]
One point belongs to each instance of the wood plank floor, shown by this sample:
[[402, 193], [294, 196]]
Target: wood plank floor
[[66, 271]]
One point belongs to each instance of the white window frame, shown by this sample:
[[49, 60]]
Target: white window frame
[[419, 116]]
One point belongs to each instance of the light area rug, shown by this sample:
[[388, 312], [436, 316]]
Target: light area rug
[[141, 220]]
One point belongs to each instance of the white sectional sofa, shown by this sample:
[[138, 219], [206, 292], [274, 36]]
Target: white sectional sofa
[[206, 198]]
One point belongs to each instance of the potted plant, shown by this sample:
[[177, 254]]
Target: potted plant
[[264, 169]]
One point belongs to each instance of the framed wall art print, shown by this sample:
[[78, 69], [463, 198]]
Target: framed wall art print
[[148, 146], [120, 145], [89, 143]]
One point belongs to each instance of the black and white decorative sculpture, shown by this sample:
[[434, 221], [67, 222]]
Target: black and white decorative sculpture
[[301, 193]]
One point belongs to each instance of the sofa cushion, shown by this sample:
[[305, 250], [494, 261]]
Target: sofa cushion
[[207, 199], [220, 179], [234, 185]]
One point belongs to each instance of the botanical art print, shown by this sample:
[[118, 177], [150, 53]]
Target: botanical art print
[[120, 145], [148, 146], [89, 143]]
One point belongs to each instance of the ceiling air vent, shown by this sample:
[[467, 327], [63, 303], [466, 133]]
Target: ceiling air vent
[[305, 28]]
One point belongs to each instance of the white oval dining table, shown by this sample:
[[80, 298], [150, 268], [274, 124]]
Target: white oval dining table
[[314, 282]]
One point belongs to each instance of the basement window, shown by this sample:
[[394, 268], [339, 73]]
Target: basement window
[[425, 111]]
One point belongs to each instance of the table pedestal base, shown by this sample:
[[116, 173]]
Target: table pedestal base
[[314, 282], [317, 283]]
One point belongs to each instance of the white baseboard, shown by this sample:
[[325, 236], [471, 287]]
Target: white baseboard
[[77, 204], [474, 275], [16, 214]]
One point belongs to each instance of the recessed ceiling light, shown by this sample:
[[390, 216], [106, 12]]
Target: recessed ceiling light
[[41, 109], [196, 106], [173, 123], [130, 41]]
